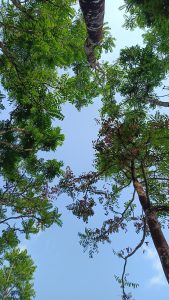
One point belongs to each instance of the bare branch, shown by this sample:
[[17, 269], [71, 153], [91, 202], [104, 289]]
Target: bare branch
[[19, 217], [163, 96], [159, 178], [131, 254]]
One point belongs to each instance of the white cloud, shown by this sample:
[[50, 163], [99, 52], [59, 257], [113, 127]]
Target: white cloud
[[158, 278]]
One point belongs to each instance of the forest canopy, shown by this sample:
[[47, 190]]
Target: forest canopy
[[49, 56]]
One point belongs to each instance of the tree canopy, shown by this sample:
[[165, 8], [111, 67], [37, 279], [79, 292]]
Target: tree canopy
[[152, 16], [132, 152], [43, 64], [16, 275]]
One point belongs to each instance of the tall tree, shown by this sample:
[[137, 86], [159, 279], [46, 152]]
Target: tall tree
[[132, 151], [93, 12], [39, 41]]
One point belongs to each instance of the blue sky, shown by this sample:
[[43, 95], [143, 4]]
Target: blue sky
[[64, 272]]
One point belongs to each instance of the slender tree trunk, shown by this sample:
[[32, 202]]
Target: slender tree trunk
[[93, 12], [157, 235]]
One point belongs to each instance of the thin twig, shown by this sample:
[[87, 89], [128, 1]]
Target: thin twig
[[131, 254]]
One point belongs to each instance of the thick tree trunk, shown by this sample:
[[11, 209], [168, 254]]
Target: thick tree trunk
[[159, 241], [93, 12], [157, 235]]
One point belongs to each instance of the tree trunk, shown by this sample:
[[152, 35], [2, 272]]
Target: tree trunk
[[157, 235], [159, 240], [93, 12]]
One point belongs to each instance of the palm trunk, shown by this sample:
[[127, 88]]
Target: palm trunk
[[93, 12], [157, 235]]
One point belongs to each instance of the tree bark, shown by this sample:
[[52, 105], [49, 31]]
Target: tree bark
[[157, 235], [93, 12]]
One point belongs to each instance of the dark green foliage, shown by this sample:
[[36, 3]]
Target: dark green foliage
[[131, 152], [40, 41], [43, 65], [154, 16], [148, 11]]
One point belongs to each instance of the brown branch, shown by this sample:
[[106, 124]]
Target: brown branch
[[162, 96], [159, 178], [14, 129], [100, 192], [20, 217], [126, 209], [160, 208], [15, 147], [158, 102]]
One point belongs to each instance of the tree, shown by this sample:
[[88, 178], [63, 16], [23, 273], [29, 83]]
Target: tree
[[33, 47], [148, 12], [152, 16], [132, 152], [93, 12], [16, 275], [40, 41]]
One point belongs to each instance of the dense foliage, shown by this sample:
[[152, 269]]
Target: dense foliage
[[153, 17], [132, 153], [40, 42], [16, 275], [43, 65]]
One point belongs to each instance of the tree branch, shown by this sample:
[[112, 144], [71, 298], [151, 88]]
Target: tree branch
[[21, 8], [11, 60], [160, 208], [158, 102], [13, 130], [20, 217], [159, 178], [15, 147], [129, 255]]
